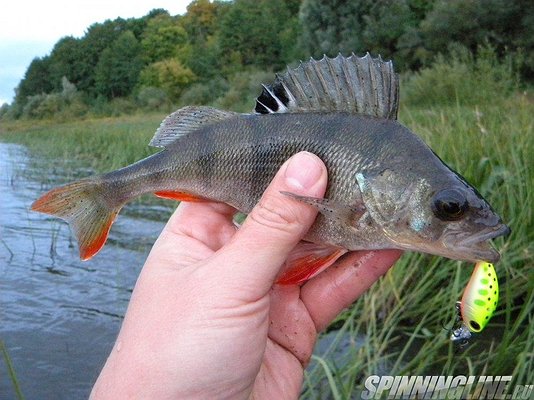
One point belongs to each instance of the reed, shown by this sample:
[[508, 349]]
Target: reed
[[398, 327]]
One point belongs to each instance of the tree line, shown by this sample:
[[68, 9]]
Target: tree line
[[216, 46]]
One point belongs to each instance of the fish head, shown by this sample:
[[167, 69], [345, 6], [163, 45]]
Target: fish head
[[436, 214]]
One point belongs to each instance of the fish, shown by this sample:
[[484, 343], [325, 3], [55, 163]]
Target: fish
[[479, 302], [386, 188]]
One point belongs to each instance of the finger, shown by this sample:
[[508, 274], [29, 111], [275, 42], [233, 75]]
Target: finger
[[209, 223], [194, 232], [291, 326], [326, 295], [275, 225]]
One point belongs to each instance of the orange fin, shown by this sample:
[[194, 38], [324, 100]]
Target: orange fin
[[85, 207], [308, 260], [180, 196]]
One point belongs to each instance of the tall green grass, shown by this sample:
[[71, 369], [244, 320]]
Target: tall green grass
[[99, 144], [399, 326]]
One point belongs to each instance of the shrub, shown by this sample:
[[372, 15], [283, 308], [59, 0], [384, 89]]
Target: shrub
[[204, 93], [461, 79], [152, 98], [170, 75], [245, 86]]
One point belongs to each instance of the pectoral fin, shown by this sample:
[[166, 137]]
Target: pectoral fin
[[332, 209], [307, 260]]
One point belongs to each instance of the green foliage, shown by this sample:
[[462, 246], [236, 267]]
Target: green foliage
[[162, 37], [152, 98], [332, 27], [66, 60], [244, 87], [63, 105], [385, 29], [204, 93], [462, 79], [169, 75], [119, 66], [35, 80], [200, 21], [215, 41], [396, 327], [254, 33]]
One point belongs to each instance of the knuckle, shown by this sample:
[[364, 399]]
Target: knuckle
[[272, 214]]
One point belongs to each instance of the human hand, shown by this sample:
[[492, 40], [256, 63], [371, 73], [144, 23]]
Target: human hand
[[205, 320]]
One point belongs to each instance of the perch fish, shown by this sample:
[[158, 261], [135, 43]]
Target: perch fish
[[386, 188]]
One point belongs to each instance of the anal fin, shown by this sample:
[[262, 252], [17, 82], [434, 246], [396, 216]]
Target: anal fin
[[179, 196], [308, 260]]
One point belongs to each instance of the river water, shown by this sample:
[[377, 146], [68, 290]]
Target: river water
[[60, 316]]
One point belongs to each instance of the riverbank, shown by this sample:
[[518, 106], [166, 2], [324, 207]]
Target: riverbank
[[397, 327]]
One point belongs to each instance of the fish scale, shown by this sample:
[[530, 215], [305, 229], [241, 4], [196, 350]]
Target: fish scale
[[386, 187]]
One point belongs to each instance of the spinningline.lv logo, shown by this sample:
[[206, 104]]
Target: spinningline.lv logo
[[444, 387]]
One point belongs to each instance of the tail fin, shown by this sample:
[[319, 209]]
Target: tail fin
[[84, 205]]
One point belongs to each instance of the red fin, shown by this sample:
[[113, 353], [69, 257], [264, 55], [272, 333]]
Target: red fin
[[97, 241], [180, 196], [308, 260], [84, 206]]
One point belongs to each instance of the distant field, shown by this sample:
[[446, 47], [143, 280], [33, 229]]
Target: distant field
[[401, 319], [104, 144]]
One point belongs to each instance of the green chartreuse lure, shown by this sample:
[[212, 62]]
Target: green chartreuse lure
[[479, 301]]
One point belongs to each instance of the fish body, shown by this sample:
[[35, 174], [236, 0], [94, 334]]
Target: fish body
[[386, 189]]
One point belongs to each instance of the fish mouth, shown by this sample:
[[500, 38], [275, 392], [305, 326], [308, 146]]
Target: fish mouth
[[477, 247]]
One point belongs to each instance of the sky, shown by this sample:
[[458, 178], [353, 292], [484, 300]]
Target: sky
[[30, 28]]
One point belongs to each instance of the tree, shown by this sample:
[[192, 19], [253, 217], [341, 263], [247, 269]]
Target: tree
[[170, 75], [162, 38], [330, 27], [200, 21], [251, 33], [118, 68], [66, 60], [472, 23], [35, 80], [202, 24]]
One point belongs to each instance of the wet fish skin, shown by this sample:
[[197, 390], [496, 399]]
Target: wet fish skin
[[237, 174], [234, 160], [386, 189]]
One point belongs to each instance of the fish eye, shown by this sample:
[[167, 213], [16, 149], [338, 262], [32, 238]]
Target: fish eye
[[449, 205]]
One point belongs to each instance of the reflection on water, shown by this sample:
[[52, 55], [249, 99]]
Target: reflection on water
[[59, 316]]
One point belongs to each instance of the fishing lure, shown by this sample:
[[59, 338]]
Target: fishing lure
[[478, 303]]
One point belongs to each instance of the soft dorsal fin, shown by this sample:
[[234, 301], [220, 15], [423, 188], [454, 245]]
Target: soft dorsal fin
[[186, 120], [357, 85]]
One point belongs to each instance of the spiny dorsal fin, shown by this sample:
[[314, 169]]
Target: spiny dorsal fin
[[186, 120], [357, 85]]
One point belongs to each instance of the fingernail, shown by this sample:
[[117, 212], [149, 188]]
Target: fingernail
[[303, 171]]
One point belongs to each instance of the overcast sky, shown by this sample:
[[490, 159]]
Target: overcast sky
[[29, 29]]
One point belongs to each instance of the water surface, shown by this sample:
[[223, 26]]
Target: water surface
[[60, 316]]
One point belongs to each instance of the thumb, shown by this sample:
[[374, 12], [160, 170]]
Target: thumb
[[274, 226]]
